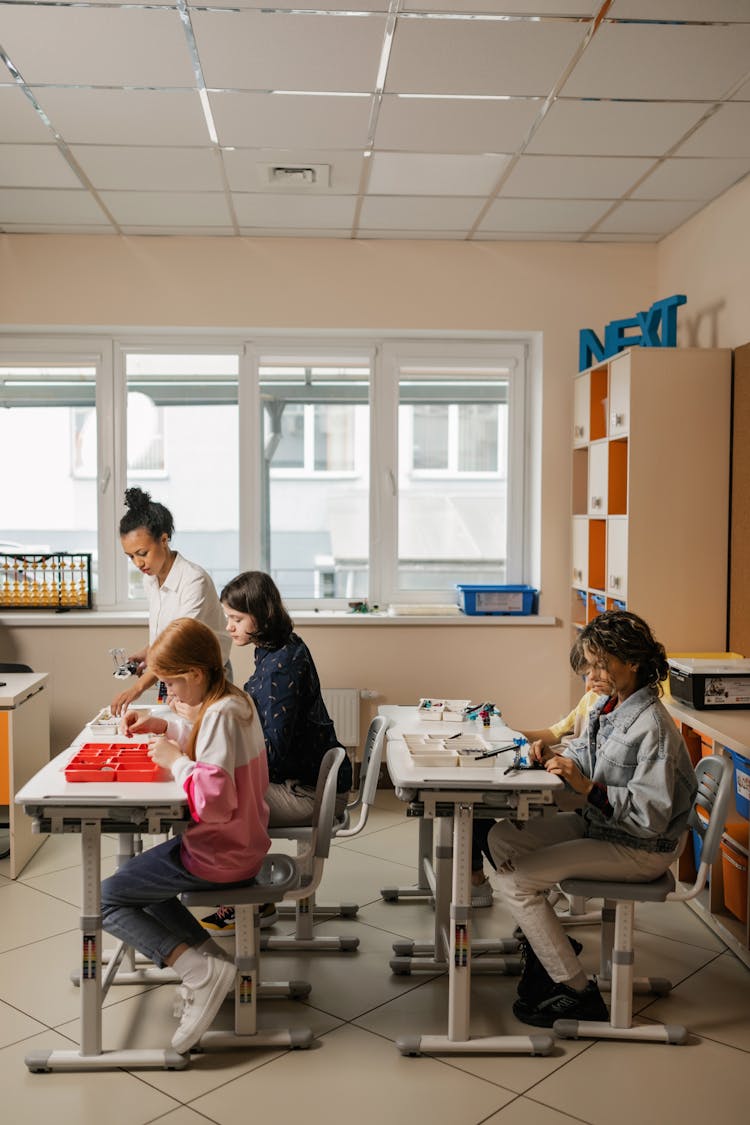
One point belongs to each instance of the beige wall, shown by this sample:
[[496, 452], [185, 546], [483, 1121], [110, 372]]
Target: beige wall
[[551, 288]]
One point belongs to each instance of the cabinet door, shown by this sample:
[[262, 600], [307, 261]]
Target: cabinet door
[[619, 396], [580, 551], [581, 409], [617, 557], [598, 472]]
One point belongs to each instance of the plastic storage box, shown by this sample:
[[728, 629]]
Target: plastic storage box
[[734, 859], [114, 761], [710, 684], [741, 784], [497, 601]]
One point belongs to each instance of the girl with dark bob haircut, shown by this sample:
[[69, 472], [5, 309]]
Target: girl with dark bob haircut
[[256, 594]]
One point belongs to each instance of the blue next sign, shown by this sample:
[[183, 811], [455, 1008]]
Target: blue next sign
[[660, 318]]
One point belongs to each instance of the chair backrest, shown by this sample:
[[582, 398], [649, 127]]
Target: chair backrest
[[324, 808], [372, 755], [15, 668], [714, 775]]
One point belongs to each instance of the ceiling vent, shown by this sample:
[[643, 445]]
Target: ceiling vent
[[295, 177]]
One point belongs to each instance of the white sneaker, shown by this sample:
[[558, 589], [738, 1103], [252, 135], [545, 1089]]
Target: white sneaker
[[201, 1004]]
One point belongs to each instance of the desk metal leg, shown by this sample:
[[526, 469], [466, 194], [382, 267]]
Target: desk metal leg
[[458, 1040], [91, 1056], [423, 888]]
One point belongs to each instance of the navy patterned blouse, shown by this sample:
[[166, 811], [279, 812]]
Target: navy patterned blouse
[[298, 729]]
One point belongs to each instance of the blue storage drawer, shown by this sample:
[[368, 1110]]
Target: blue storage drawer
[[497, 601]]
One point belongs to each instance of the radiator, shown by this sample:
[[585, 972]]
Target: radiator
[[343, 707]]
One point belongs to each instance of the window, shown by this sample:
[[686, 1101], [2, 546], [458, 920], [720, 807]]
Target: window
[[182, 447], [382, 470], [48, 442]]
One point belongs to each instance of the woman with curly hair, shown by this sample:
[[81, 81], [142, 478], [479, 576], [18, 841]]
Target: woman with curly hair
[[633, 771]]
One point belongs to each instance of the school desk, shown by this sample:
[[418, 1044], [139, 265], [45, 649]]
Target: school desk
[[24, 749], [89, 809], [449, 795]]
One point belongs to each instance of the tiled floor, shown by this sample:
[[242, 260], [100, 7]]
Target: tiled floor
[[356, 1010]]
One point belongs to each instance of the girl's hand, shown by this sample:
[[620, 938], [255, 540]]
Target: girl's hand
[[567, 769], [185, 710], [539, 751], [164, 752], [141, 722]]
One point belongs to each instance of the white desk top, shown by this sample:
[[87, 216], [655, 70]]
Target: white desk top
[[17, 686], [50, 787], [408, 774]]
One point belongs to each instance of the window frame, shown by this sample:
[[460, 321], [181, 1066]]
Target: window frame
[[385, 352]]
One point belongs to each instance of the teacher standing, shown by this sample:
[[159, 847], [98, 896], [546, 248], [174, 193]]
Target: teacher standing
[[174, 586]]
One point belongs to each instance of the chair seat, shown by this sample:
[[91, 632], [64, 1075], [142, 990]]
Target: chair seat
[[654, 891], [277, 876]]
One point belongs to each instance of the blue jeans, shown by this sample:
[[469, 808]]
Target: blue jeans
[[140, 903]]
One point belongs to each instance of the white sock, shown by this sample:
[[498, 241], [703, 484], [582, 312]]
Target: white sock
[[192, 968], [211, 948]]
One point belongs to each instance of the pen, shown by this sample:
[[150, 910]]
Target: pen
[[497, 750]]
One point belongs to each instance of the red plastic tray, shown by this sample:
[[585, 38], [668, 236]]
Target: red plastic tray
[[114, 761]]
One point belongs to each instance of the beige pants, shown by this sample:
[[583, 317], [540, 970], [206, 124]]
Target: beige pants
[[291, 804], [533, 856]]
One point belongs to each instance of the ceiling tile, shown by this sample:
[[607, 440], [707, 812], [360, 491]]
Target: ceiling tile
[[692, 178], [39, 205], [652, 61], [295, 232], [417, 213], [526, 236], [126, 117], [543, 215], [618, 236], [265, 51], [262, 120], [726, 133], [127, 168], [170, 208], [717, 10], [191, 231], [574, 177], [607, 128], [19, 121], [56, 228], [298, 5], [480, 57], [102, 46], [508, 7], [454, 125], [35, 166], [647, 216], [414, 235], [246, 167], [402, 173], [298, 211]]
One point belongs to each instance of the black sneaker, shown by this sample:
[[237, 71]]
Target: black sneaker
[[563, 1003], [222, 921], [535, 981]]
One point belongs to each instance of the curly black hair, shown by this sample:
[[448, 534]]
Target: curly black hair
[[147, 513], [628, 637]]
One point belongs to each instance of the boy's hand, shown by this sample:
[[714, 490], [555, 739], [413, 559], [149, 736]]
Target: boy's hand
[[567, 769]]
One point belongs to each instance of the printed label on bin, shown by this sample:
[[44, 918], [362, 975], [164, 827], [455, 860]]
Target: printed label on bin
[[503, 601], [727, 690]]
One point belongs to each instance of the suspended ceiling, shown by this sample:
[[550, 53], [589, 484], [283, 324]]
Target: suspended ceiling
[[579, 120]]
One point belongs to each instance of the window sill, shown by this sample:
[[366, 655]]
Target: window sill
[[96, 618]]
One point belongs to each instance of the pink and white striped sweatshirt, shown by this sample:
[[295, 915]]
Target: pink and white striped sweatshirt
[[225, 785]]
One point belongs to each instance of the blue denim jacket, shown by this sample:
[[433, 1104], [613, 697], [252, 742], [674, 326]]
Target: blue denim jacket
[[637, 752]]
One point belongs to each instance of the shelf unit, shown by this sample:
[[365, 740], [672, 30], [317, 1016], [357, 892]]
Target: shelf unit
[[650, 492], [714, 732]]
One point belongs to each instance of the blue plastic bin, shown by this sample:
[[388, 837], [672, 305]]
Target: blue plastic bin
[[741, 784], [497, 601]]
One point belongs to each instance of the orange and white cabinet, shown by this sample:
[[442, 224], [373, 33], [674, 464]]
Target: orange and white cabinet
[[651, 492]]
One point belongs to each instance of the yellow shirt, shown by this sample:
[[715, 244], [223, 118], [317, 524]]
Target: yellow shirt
[[574, 724]]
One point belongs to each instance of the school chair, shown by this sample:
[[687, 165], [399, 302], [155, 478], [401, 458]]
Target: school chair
[[281, 876], [714, 775], [306, 911]]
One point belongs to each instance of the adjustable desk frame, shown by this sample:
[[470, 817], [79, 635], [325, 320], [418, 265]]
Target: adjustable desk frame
[[89, 810], [448, 796]]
